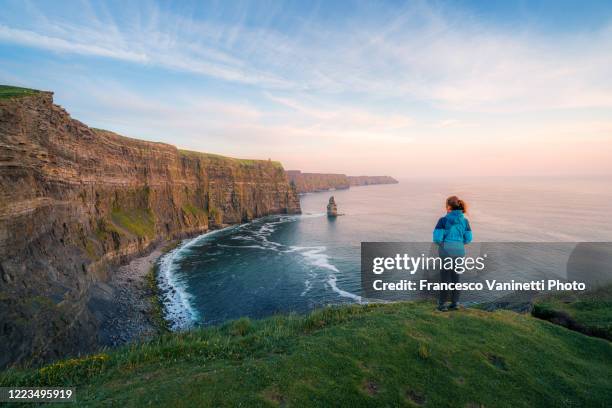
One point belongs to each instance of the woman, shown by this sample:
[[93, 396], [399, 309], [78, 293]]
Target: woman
[[451, 234]]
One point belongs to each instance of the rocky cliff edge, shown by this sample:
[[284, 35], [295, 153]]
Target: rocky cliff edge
[[75, 201]]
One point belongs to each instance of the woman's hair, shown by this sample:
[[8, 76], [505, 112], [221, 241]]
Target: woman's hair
[[455, 203]]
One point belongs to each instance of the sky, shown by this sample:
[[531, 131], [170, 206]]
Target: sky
[[407, 89]]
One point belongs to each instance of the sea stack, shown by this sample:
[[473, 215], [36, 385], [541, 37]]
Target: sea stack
[[332, 209]]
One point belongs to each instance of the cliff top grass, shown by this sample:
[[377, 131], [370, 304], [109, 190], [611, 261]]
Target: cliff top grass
[[7, 91], [402, 354], [245, 162]]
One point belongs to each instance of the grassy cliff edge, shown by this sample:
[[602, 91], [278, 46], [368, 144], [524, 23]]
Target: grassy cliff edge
[[585, 312], [403, 354], [7, 91]]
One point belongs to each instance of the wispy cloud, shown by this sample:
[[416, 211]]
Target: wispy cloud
[[171, 42], [349, 120], [423, 54], [32, 39]]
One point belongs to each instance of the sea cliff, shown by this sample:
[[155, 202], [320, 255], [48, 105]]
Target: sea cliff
[[369, 180], [312, 182], [77, 201]]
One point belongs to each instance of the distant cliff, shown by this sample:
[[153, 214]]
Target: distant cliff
[[75, 200], [368, 180], [311, 182]]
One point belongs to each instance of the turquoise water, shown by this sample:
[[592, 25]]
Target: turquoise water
[[295, 263]]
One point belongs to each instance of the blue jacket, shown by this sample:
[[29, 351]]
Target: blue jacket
[[452, 232]]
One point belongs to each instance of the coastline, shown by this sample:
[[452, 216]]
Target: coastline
[[134, 314], [134, 309], [146, 302], [173, 299]]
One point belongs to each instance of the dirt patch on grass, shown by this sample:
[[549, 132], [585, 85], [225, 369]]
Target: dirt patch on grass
[[415, 397], [370, 387], [273, 395], [497, 361], [563, 319]]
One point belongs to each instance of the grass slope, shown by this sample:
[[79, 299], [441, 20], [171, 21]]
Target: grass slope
[[7, 91], [139, 222], [403, 354], [586, 312]]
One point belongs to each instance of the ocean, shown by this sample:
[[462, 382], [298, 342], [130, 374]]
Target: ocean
[[294, 263]]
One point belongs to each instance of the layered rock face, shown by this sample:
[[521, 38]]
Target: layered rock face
[[311, 182], [75, 201], [332, 208], [368, 180]]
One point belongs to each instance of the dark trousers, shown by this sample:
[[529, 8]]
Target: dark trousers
[[448, 276]]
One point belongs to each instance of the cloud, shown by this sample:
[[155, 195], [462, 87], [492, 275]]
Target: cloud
[[32, 39], [158, 42], [440, 57], [331, 116], [373, 87], [183, 117]]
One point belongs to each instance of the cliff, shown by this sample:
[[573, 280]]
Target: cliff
[[312, 182], [75, 201], [369, 180]]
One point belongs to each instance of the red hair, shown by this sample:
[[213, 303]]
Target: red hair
[[455, 203]]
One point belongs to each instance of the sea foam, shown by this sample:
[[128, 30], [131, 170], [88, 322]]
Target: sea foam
[[316, 256], [177, 301]]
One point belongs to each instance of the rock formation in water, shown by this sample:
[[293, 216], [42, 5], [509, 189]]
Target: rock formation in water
[[369, 180], [332, 208], [75, 201], [312, 182]]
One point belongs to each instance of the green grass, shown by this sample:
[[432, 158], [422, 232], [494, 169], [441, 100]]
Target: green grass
[[586, 312], [105, 230], [244, 162], [7, 91], [216, 214], [139, 222], [403, 354], [195, 211]]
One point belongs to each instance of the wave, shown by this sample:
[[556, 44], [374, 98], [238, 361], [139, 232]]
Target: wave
[[178, 302], [332, 282], [262, 234], [313, 215], [317, 257], [308, 286], [246, 247], [179, 311]]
